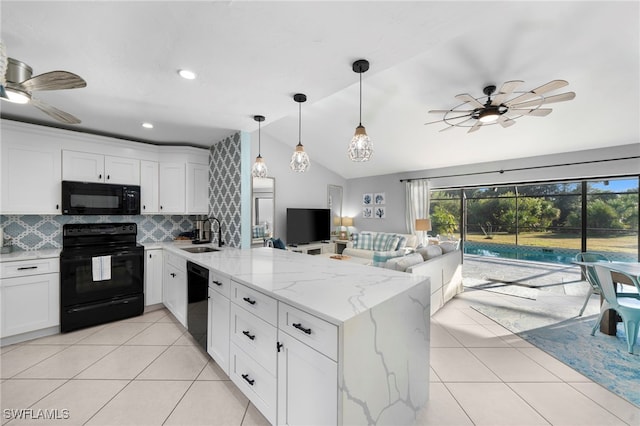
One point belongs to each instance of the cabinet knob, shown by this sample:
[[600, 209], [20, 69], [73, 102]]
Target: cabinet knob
[[144, 207], [218, 283], [249, 335], [57, 206], [249, 301], [99, 176], [173, 274], [160, 207], [108, 177], [250, 381]]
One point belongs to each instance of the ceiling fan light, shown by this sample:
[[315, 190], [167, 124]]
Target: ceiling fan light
[[360, 148], [16, 96], [299, 160], [187, 75], [489, 116]]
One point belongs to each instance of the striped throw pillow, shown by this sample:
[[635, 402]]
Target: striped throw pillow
[[381, 257], [363, 240]]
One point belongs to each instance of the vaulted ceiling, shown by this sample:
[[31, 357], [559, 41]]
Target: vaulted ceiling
[[251, 57]]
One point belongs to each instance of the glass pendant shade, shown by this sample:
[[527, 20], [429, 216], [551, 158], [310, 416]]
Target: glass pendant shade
[[360, 148], [259, 168], [299, 160]]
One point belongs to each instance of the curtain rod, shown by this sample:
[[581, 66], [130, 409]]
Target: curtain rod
[[501, 171]]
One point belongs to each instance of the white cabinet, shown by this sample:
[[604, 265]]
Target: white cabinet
[[153, 276], [29, 296], [197, 188], [313, 248], [149, 187], [90, 167], [31, 174], [218, 330], [174, 286], [172, 188]]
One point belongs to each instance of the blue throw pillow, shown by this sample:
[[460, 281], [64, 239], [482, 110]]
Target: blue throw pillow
[[381, 257], [277, 243]]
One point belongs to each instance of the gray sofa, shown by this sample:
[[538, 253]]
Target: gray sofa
[[441, 261]]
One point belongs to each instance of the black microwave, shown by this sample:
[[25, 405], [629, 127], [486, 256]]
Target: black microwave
[[80, 198]]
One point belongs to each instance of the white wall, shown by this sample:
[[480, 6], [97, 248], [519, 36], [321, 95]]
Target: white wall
[[540, 168], [305, 190]]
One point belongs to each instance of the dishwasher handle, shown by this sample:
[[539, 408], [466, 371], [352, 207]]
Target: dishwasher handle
[[193, 268]]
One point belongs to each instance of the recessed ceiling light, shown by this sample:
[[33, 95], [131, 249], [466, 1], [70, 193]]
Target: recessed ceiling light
[[147, 125], [189, 75]]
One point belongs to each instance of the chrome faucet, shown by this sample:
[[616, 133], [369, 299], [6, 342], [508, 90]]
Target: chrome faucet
[[220, 242]]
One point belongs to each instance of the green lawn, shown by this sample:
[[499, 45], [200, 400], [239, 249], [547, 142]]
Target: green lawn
[[618, 244]]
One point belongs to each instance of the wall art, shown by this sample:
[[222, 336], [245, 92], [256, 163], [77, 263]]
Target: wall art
[[379, 212], [367, 199], [379, 198]]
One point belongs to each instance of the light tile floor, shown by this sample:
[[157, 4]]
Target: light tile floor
[[148, 371]]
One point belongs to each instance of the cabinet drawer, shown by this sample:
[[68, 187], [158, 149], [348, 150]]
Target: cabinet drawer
[[24, 268], [256, 337], [220, 283], [176, 261], [255, 302], [309, 329], [254, 381]]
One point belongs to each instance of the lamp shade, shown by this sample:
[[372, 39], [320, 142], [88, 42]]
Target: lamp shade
[[347, 221], [337, 221], [423, 224]]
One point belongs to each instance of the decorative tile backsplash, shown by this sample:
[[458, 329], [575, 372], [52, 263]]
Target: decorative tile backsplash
[[36, 232], [224, 188]]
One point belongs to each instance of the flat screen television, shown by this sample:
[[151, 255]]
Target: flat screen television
[[308, 225]]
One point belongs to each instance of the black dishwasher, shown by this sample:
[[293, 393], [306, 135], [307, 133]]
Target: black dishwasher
[[197, 302]]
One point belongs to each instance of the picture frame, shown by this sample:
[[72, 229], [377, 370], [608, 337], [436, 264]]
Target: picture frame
[[379, 198], [367, 212], [367, 199], [343, 235], [379, 212]]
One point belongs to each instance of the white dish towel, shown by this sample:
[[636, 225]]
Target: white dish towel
[[101, 268]]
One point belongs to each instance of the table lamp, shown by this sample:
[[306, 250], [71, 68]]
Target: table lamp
[[423, 225], [346, 222]]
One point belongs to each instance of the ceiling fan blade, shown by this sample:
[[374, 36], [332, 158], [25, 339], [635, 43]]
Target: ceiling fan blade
[[465, 97], [551, 99], [539, 112], [552, 85], [475, 126], [505, 121], [507, 88], [53, 112], [444, 111], [449, 118], [54, 80]]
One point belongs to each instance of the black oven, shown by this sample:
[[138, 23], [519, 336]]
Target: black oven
[[101, 274], [81, 198]]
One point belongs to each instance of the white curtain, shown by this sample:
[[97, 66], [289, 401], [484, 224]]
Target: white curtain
[[417, 199]]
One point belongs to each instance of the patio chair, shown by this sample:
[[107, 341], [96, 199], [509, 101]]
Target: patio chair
[[627, 307], [590, 274]]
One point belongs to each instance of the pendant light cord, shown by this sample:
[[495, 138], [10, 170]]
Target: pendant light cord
[[259, 142], [360, 97], [300, 123]]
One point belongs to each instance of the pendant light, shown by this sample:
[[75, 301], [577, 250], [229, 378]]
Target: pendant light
[[300, 159], [360, 148], [259, 168]]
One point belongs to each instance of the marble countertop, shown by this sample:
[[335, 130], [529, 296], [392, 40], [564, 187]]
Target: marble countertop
[[334, 290], [18, 255]]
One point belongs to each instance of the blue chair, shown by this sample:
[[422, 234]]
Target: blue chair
[[627, 307], [590, 274]]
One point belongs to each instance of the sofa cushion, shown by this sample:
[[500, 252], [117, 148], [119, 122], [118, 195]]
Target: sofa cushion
[[381, 257], [429, 252], [448, 246], [404, 262], [355, 252], [363, 240], [383, 240]]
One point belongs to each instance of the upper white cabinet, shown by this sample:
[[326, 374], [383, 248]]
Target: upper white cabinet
[[31, 175], [172, 188], [197, 188], [149, 187], [90, 167]]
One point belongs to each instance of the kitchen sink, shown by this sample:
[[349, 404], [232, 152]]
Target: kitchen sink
[[200, 249]]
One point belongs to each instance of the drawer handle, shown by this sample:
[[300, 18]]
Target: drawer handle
[[217, 282], [173, 274], [250, 381], [22, 268], [249, 301], [249, 335], [301, 328]]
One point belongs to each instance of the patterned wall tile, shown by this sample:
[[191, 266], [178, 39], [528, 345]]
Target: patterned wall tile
[[224, 188], [35, 232]]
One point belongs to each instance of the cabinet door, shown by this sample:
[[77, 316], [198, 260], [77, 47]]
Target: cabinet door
[[31, 175], [197, 188], [307, 385], [174, 292], [82, 166], [218, 331], [29, 303], [149, 187], [153, 277], [172, 188], [122, 170]]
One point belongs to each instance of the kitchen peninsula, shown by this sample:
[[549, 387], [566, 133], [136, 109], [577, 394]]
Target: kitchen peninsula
[[313, 340]]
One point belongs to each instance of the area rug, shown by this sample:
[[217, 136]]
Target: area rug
[[602, 358]]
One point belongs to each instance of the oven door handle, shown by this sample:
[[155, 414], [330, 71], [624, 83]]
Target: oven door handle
[[103, 304]]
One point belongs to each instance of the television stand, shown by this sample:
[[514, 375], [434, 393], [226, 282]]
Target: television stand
[[313, 248]]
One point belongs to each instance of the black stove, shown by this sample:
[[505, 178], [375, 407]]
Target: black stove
[[101, 274]]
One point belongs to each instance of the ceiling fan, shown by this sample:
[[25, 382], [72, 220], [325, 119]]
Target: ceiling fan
[[473, 113], [18, 84]]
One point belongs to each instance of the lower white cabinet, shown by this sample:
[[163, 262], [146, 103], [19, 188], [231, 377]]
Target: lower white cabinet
[[174, 286], [218, 330], [29, 296], [153, 276], [307, 384]]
